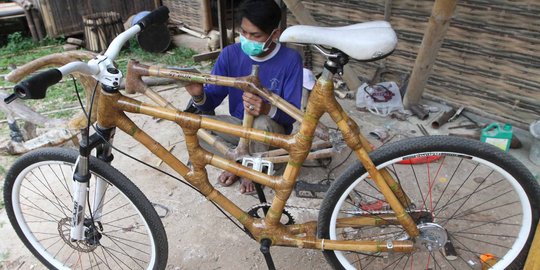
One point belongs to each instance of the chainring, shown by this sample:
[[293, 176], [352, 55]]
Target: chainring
[[258, 211]]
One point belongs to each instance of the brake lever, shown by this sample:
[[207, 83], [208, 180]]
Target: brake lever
[[10, 98]]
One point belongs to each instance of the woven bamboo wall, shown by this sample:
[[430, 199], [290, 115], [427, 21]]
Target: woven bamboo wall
[[64, 17], [489, 61], [194, 14]]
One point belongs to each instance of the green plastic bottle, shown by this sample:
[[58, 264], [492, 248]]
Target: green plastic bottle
[[496, 135]]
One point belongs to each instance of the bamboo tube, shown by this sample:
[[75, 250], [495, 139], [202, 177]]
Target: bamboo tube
[[274, 139], [280, 152], [213, 141], [243, 144], [365, 246], [324, 153], [380, 219]]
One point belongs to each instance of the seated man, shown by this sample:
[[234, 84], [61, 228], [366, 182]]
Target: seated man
[[280, 70]]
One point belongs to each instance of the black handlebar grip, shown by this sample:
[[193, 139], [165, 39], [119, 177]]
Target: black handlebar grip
[[158, 16], [36, 86]]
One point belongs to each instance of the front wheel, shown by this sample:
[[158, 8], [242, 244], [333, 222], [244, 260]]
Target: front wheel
[[128, 233], [480, 201]]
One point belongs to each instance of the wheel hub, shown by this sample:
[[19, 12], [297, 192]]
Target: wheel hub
[[91, 234], [432, 236]]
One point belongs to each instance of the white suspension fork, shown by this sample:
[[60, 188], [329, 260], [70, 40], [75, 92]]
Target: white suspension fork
[[99, 198], [80, 193], [102, 185]]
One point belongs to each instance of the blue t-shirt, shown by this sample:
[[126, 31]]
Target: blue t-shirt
[[281, 74]]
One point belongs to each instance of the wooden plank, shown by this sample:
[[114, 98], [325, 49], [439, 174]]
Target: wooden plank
[[11, 17], [433, 38], [222, 22], [206, 56], [533, 259], [10, 10]]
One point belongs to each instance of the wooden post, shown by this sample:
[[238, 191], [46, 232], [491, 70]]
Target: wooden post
[[283, 23], [38, 23], [433, 38], [222, 22], [387, 10], [533, 259], [304, 17]]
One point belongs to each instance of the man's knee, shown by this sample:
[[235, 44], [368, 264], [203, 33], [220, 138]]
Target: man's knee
[[265, 123], [262, 122]]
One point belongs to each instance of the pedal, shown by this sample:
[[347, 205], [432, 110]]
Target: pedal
[[336, 138], [304, 189], [259, 164]]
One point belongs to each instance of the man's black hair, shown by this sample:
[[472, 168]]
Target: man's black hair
[[265, 14]]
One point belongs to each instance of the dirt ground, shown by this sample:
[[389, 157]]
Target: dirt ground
[[199, 236]]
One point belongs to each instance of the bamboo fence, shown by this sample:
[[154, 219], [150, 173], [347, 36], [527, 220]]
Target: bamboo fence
[[64, 17], [100, 29]]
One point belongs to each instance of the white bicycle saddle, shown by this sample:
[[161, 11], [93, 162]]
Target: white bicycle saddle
[[362, 41]]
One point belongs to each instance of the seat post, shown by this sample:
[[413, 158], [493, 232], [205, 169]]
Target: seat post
[[336, 62]]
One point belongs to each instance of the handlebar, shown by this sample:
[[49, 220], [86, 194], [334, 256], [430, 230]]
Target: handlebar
[[101, 67], [36, 86]]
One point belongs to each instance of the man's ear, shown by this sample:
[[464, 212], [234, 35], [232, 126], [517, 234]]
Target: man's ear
[[276, 34]]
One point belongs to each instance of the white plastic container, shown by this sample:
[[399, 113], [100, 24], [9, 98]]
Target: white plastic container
[[534, 154]]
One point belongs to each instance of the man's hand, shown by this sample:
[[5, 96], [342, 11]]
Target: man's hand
[[195, 89], [254, 104]]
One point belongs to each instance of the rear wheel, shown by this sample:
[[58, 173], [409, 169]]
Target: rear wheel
[[38, 197], [480, 199]]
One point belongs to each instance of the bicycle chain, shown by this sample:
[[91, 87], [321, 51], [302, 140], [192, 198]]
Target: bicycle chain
[[373, 213], [301, 208]]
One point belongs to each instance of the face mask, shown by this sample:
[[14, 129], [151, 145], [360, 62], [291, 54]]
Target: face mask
[[253, 48]]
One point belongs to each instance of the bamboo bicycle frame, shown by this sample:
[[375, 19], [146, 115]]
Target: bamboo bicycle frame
[[112, 105]]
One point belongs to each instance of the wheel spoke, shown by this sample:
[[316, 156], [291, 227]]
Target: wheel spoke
[[51, 190], [467, 196], [446, 186], [40, 194], [43, 199], [481, 241], [418, 184]]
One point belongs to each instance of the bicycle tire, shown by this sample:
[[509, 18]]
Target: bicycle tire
[[38, 202], [487, 203]]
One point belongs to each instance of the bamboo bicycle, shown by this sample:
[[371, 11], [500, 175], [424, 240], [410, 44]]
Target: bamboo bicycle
[[383, 212]]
